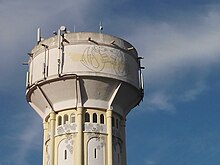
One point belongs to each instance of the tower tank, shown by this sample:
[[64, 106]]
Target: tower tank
[[83, 85]]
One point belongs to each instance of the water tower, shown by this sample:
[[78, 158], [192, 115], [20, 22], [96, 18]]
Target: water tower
[[83, 85]]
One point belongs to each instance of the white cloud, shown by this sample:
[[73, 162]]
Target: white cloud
[[149, 162], [159, 101], [193, 93], [172, 52], [19, 21], [19, 18], [24, 138], [167, 46]]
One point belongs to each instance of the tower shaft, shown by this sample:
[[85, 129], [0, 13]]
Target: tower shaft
[[84, 136]]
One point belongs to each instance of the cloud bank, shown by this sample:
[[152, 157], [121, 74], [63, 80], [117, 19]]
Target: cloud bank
[[178, 52]]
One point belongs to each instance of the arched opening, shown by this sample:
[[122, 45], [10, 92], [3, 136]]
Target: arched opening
[[59, 120], [65, 120], [87, 117], [73, 118], [94, 118], [96, 152], [65, 153], [117, 154], [102, 120]]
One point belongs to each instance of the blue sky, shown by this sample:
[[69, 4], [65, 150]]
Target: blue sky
[[178, 121]]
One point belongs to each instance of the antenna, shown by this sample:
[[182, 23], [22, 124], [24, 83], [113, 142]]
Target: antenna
[[100, 27], [38, 35]]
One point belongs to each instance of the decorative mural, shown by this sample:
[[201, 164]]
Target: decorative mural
[[66, 128], [97, 58], [69, 143], [92, 127]]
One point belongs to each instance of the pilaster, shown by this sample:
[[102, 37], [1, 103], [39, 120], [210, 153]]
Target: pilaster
[[45, 128], [52, 136], [80, 146], [109, 137]]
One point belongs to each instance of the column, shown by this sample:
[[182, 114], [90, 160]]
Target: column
[[52, 136], [79, 144], [109, 137], [45, 127]]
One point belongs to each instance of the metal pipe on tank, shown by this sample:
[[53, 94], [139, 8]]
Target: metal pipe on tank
[[59, 38], [59, 45]]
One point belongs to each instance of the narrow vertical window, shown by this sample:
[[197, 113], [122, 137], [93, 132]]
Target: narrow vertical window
[[65, 120], [73, 118], [87, 117], [94, 118], [113, 122], [65, 154], [95, 153], [59, 120], [102, 120]]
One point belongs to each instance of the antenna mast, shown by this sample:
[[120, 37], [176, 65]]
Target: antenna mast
[[100, 27]]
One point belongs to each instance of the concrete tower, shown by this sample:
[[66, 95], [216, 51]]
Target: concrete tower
[[83, 85]]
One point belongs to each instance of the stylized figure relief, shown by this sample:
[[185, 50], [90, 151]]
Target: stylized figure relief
[[92, 59], [96, 57]]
